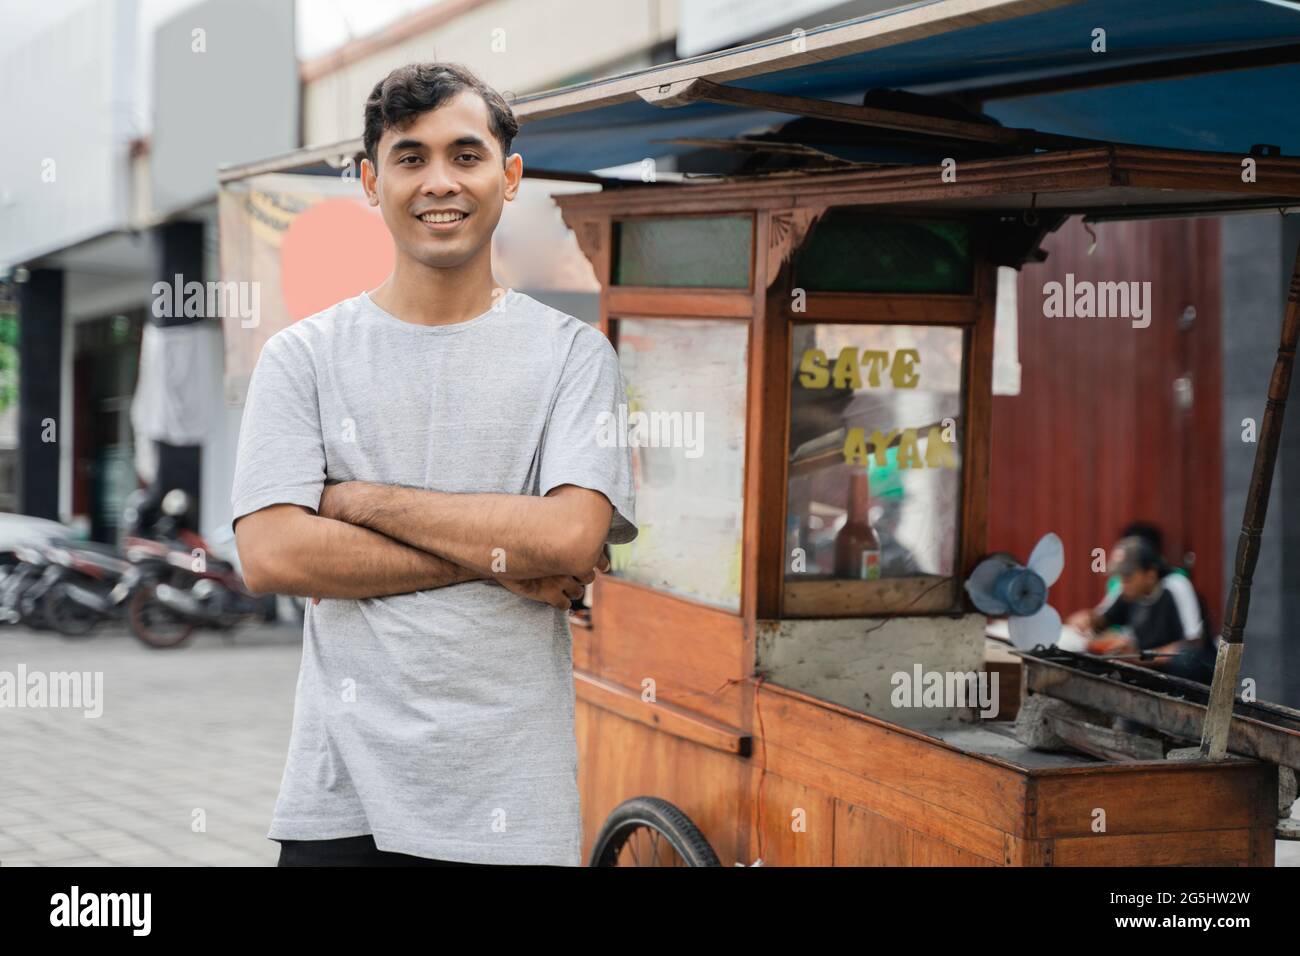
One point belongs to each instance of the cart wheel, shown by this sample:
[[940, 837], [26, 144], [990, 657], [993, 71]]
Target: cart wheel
[[647, 831]]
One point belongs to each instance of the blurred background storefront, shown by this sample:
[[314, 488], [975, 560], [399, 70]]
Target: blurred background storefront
[[125, 110]]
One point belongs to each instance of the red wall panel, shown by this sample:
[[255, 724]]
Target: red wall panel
[[1097, 438]]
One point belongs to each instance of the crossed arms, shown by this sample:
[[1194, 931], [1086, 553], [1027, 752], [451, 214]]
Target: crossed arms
[[371, 540]]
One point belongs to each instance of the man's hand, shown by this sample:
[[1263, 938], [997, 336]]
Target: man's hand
[[557, 590], [1113, 642], [1081, 621]]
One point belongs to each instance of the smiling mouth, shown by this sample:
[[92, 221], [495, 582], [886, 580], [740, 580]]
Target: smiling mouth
[[443, 221]]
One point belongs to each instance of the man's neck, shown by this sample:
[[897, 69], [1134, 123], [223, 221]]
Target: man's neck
[[425, 296]]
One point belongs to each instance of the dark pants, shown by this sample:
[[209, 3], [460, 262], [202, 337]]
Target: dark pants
[[352, 851], [1196, 663]]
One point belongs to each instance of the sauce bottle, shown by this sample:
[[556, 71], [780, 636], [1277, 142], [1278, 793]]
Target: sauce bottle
[[857, 549]]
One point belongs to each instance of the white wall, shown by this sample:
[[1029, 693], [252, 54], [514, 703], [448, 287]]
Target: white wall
[[225, 90], [545, 45], [67, 107]]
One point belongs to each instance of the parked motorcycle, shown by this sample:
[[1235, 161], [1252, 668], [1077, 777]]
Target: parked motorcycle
[[17, 603], [85, 584], [185, 583]]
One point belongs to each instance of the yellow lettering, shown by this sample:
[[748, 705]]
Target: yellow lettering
[[902, 373], [874, 361], [939, 453], [909, 456], [855, 447], [880, 443], [812, 369], [846, 369]]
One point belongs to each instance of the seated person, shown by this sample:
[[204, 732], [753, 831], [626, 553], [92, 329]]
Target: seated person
[[1153, 534], [1155, 609]]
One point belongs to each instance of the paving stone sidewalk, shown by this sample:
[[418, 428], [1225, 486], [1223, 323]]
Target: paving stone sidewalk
[[204, 727], [198, 732]]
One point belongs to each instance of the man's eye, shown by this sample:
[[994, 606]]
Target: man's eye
[[405, 158], [469, 155]]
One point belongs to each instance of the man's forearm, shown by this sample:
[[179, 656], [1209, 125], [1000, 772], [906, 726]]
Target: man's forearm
[[498, 535], [308, 555]]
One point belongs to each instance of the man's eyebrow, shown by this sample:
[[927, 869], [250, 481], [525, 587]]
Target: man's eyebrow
[[406, 144], [466, 140]]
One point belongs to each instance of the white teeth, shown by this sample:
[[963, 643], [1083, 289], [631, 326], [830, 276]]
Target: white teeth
[[443, 217]]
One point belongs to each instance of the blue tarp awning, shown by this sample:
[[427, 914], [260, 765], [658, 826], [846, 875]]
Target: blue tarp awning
[[1227, 111]]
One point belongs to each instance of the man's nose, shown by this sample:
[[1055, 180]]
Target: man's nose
[[439, 180]]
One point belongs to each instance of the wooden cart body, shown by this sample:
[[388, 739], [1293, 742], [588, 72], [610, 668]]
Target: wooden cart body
[[701, 707]]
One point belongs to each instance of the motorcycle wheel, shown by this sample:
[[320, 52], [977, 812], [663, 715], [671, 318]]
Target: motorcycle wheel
[[153, 622], [31, 612], [65, 615]]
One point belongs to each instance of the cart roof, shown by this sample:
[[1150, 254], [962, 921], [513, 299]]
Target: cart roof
[[1220, 81], [1029, 61]]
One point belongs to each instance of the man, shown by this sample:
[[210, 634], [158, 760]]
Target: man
[[424, 459], [1154, 610]]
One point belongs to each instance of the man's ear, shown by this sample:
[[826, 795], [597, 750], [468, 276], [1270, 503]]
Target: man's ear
[[514, 175], [369, 181]]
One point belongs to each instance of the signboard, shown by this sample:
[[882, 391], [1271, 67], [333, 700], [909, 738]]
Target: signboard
[[292, 245]]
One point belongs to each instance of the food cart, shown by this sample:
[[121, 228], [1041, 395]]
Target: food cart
[[835, 324], [808, 348]]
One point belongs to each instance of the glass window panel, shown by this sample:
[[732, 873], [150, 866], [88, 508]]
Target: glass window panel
[[694, 251], [851, 251], [875, 451], [686, 424]]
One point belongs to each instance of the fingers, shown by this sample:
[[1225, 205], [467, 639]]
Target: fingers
[[603, 563], [587, 577], [315, 600]]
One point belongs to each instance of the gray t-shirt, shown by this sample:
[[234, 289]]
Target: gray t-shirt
[[440, 721]]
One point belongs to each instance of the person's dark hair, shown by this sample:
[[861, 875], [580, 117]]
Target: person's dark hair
[[419, 87], [1135, 553], [1148, 532]]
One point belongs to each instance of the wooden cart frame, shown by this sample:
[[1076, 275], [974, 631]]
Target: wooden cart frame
[[771, 773]]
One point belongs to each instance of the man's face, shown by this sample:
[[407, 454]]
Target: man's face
[[445, 161], [1138, 584]]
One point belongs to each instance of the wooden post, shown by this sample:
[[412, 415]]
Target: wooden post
[[1218, 716]]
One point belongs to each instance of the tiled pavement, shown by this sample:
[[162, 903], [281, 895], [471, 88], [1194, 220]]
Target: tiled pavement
[[198, 732], [203, 727]]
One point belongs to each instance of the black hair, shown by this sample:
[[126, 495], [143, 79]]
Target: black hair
[[417, 88], [1148, 532]]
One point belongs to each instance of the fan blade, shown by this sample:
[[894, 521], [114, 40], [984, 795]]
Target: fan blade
[[1048, 558], [1041, 627], [982, 581]]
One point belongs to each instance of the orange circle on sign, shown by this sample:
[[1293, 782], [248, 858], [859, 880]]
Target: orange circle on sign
[[333, 251]]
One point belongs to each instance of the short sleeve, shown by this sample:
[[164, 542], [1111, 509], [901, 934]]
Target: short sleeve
[[583, 443], [281, 451], [1189, 608]]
